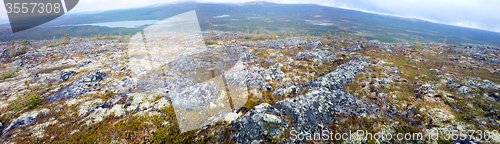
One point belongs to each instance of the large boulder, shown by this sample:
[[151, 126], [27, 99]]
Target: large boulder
[[82, 85]]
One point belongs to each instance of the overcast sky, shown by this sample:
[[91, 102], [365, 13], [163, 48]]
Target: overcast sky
[[480, 14]]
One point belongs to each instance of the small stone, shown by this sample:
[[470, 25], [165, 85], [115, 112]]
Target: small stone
[[63, 76], [464, 89]]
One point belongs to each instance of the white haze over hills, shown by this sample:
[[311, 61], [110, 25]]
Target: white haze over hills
[[478, 14]]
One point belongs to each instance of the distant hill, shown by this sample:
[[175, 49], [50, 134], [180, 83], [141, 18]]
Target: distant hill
[[257, 3], [271, 17]]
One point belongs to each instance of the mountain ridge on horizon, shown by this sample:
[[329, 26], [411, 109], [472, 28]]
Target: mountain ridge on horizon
[[334, 18]]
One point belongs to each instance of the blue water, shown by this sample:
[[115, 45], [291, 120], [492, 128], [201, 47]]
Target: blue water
[[125, 24]]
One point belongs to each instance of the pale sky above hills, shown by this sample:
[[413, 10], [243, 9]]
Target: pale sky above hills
[[480, 14]]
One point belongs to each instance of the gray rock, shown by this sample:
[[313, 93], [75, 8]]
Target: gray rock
[[250, 77], [314, 44], [124, 86], [491, 85], [63, 76], [321, 106], [81, 86], [306, 112], [353, 48], [195, 97], [425, 89], [247, 55], [107, 104], [273, 73], [184, 64], [386, 81], [30, 66], [262, 120], [452, 85], [342, 74], [464, 89], [282, 43], [24, 121], [17, 63], [459, 51], [479, 57], [486, 84], [84, 63], [315, 54], [4, 53]]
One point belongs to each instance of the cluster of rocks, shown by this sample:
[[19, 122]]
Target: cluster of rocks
[[253, 76], [486, 84], [81, 86], [315, 54], [385, 46], [353, 48], [210, 57], [479, 57], [194, 97], [425, 89], [479, 48], [308, 112], [283, 43], [466, 88]]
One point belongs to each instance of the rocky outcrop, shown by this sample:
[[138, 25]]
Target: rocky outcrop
[[342, 74], [25, 120], [315, 55], [262, 120], [81, 86], [321, 107], [306, 112], [251, 77], [485, 84], [186, 63], [479, 57], [282, 43], [195, 97]]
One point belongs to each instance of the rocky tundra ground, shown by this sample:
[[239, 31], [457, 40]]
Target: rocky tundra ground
[[244, 89]]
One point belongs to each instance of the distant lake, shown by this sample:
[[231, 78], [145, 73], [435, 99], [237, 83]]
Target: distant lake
[[125, 24]]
